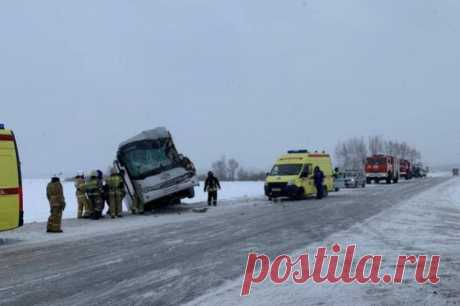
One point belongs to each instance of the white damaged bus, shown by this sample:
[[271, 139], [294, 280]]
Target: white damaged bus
[[154, 172]]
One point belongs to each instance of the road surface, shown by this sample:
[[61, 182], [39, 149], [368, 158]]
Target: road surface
[[174, 263]]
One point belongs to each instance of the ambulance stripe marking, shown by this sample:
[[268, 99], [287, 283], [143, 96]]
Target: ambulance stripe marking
[[8, 191], [6, 138]]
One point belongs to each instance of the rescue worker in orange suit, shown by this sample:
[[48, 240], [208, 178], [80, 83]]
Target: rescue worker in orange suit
[[55, 195], [211, 186]]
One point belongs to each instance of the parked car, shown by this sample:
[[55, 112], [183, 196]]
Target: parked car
[[354, 179], [420, 170]]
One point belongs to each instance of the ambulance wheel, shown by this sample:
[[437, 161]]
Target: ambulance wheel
[[369, 181], [300, 194]]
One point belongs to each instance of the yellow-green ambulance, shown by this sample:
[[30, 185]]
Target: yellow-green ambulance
[[292, 175], [11, 211]]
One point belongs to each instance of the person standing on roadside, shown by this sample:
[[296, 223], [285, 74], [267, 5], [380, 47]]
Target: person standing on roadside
[[318, 178], [211, 186], [116, 193], [82, 200], [104, 192], [94, 190], [55, 195]]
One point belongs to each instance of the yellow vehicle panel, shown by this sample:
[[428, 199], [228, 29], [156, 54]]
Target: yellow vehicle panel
[[10, 183]]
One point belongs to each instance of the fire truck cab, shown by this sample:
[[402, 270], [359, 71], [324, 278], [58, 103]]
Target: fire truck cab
[[382, 168], [405, 169]]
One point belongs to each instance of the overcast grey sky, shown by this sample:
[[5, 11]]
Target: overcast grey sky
[[244, 78]]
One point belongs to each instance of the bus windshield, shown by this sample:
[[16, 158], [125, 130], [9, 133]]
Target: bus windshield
[[149, 157]]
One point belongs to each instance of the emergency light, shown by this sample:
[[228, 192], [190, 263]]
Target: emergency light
[[2, 126], [297, 151]]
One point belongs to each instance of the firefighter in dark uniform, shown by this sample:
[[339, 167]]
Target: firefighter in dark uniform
[[211, 186], [318, 178], [105, 191], [55, 195]]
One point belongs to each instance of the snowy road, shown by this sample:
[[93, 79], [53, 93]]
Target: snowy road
[[173, 259]]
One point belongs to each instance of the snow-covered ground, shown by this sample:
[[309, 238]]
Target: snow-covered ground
[[440, 174], [36, 205], [427, 224]]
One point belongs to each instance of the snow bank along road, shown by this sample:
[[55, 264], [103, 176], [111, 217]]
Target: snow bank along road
[[171, 258], [36, 204]]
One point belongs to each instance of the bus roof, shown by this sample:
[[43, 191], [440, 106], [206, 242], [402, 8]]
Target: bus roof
[[153, 134]]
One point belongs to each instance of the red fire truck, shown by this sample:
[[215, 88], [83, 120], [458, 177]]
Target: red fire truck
[[382, 168], [405, 169]]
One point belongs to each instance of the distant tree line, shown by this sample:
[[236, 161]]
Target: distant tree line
[[352, 153], [231, 170]]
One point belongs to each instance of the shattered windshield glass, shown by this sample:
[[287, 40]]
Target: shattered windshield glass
[[147, 158]]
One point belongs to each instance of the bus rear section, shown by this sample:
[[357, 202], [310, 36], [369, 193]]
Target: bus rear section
[[11, 201]]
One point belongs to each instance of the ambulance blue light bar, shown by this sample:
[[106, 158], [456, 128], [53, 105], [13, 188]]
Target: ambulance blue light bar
[[2, 126], [297, 151]]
